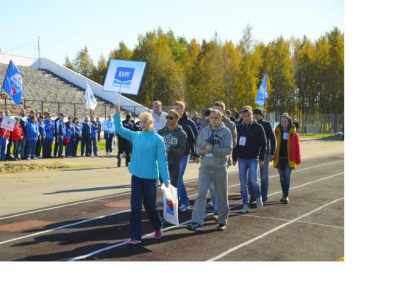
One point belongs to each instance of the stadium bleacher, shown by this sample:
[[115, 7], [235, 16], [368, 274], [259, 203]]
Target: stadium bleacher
[[46, 92]]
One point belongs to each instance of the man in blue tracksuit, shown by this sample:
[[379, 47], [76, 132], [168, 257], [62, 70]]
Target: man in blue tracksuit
[[60, 134], [85, 129], [94, 128], [49, 129]]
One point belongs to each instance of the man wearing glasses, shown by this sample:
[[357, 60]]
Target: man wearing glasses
[[175, 142]]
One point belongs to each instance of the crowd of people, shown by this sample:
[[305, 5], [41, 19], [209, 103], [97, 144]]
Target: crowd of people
[[36, 136], [159, 147]]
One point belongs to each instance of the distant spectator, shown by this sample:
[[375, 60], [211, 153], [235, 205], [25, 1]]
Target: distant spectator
[[32, 137], [108, 135], [195, 116], [198, 124], [98, 129], [94, 128], [17, 137], [236, 113], [60, 130], [41, 137], [4, 134], [69, 132], [75, 136], [124, 145], [49, 130], [85, 129], [23, 123], [159, 116], [229, 116]]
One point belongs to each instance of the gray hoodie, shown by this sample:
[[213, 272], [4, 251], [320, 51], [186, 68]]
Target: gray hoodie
[[221, 140]]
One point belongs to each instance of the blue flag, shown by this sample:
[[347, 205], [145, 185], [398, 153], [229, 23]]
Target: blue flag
[[13, 84], [262, 94]]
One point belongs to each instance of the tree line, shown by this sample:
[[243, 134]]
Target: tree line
[[304, 76]]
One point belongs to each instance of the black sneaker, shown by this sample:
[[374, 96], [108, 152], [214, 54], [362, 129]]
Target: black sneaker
[[221, 227], [286, 200], [252, 200]]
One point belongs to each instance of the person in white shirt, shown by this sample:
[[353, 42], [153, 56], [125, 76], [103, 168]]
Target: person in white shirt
[[159, 117]]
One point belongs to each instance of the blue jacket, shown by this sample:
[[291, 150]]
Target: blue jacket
[[60, 128], [41, 129], [32, 131], [76, 131], [148, 152], [49, 131], [85, 129], [94, 126]]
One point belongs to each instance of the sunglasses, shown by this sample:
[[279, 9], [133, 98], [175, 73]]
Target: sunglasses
[[171, 118]]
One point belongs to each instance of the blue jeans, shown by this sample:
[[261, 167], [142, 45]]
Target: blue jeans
[[285, 175], [181, 189], [3, 147], [143, 190], [248, 168], [31, 148], [94, 145], [264, 179], [17, 147]]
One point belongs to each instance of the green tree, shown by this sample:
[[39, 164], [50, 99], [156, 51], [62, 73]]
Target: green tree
[[68, 64], [83, 63]]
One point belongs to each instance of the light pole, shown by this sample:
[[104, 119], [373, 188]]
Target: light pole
[[305, 117]]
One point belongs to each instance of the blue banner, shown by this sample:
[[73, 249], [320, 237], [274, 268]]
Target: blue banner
[[13, 84], [262, 94]]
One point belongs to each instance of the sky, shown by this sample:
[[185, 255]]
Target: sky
[[63, 28]]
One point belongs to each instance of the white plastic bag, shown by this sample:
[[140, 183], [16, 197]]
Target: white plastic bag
[[170, 204]]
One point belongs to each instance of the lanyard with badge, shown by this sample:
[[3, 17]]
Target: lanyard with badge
[[285, 135], [242, 138], [210, 140], [157, 123]]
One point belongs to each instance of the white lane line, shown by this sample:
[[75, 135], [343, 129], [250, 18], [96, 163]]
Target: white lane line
[[300, 221], [61, 227], [271, 231]]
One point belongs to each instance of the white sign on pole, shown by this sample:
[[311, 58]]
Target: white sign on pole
[[124, 76], [108, 125], [8, 123]]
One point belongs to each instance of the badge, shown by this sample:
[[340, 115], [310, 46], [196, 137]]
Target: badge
[[242, 140]]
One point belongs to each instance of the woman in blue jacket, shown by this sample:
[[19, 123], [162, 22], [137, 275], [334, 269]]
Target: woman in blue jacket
[[32, 137], [148, 160]]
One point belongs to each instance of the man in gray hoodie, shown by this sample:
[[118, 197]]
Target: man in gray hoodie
[[214, 144]]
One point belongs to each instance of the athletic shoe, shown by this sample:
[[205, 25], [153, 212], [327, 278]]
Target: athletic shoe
[[245, 209], [133, 241], [259, 203], [183, 208], [285, 200], [35, 158], [214, 217], [221, 227], [28, 159], [158, 233], [210, 203], [252, 200], [194, 226], [282, 199]]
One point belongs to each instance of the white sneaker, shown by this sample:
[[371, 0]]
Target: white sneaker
[[259, 203], [184, 208], [245, 209]]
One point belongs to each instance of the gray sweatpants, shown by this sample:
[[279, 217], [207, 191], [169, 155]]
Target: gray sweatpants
[[220, 178]]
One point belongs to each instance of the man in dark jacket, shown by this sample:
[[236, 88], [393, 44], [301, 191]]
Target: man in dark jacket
[[249, 152], [191, 131], [124, 146], [175, 141], [271, 146]]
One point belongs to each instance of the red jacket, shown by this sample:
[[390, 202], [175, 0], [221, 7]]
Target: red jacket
[[293, 148], [4, 132], [18, 133]]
